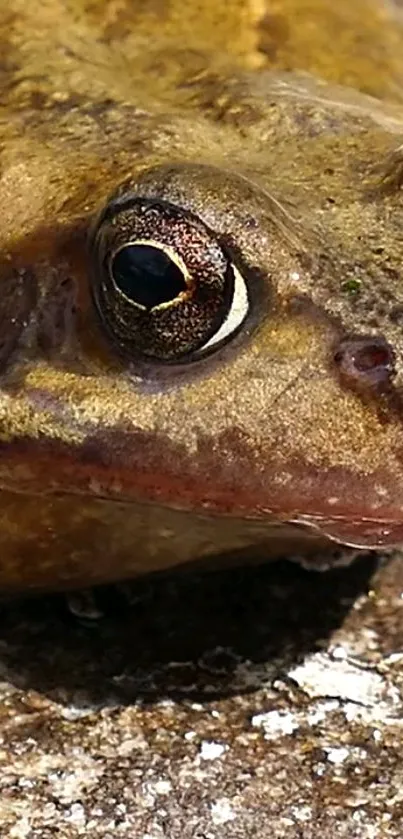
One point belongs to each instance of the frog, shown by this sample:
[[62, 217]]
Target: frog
[[201, 354]]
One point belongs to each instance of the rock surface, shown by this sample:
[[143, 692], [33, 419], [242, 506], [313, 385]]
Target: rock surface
[[255, 702]]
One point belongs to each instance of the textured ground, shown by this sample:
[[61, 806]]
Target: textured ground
[[259, 702]]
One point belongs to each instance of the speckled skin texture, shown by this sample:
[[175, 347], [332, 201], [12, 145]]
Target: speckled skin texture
[[299, 180]]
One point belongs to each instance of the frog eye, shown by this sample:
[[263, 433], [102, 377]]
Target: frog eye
[[164, 287]]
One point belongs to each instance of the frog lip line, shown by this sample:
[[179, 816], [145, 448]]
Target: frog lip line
[[364, 532], [116, 495], [376, 533]]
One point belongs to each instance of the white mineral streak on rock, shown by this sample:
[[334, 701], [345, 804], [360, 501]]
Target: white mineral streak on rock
[[362, 692], [275, 723]]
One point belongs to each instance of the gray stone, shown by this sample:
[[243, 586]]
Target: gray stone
[[252, 702]]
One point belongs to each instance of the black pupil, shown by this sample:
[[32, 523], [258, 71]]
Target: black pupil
[[146, 275]]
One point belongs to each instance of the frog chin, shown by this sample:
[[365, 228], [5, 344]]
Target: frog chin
[[363, 533]]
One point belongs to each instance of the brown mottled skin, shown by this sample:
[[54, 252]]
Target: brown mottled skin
[[109, 467]]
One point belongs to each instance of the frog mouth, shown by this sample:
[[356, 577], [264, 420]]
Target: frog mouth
[[362, 533], [359, 511]]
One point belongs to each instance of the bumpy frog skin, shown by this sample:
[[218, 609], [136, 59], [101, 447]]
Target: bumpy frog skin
[[289, 429]]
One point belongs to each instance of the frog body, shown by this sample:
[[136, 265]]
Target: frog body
[[135, 436]]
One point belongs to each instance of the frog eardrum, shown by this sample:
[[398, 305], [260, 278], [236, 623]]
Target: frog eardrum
[[164, 287]]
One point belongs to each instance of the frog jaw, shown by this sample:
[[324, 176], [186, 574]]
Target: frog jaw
[[360, 511]]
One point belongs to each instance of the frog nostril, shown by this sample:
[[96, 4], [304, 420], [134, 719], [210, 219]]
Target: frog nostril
[[365, 362]]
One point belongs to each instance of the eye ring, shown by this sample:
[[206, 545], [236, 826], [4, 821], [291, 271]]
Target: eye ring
[[164, 287]]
